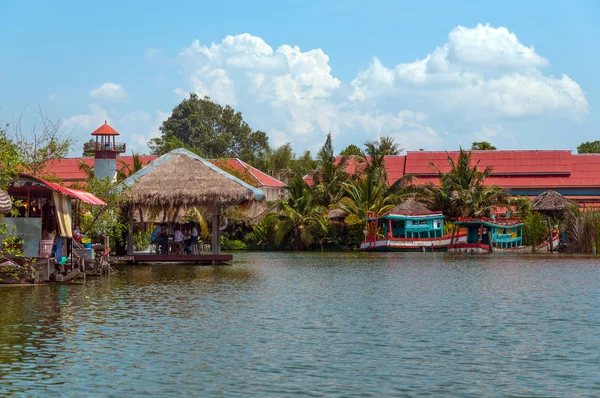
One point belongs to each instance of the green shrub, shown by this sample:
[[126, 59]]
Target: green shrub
[[232, 244]]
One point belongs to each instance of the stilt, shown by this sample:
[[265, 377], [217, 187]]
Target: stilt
[[491, 241], [216, 231], [453, 231], [550, 229], [130, 231]]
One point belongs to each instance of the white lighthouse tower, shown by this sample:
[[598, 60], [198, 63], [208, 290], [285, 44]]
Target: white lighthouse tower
[[105, 151]]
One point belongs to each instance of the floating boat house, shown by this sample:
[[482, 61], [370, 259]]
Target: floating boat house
[[410, 226], [486, 234]]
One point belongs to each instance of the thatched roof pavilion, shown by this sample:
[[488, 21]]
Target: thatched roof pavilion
[[411, 208], [5, 203], [181, 179], [550, 203]]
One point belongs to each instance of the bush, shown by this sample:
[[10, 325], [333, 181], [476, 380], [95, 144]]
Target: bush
[[232, 244], [141, 239]]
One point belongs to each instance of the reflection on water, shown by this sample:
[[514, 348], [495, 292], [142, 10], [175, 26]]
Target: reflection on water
[[343, 324]]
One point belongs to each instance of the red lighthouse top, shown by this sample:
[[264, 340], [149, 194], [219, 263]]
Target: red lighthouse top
[[105, 129]]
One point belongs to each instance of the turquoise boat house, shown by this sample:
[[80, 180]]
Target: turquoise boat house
[[411, 220], [504, 233]]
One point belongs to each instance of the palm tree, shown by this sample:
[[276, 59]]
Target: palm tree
[[330, 175], [126, 170], [299, 216], [462, 192], [366, 195], [372, 159]]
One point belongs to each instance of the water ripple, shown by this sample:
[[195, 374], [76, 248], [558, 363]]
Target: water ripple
[[304, 324]]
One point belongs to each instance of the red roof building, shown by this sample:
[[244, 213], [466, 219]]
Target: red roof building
[[521, 173], [68, 171], [272, 187]]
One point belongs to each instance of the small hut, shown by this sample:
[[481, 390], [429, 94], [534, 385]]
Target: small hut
[[181, 179], [5, 203], [550, 204], [411, 208]]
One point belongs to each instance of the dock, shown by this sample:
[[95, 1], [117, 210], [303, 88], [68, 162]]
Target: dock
[[173, 258]]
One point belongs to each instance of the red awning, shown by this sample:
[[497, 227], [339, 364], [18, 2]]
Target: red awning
[[83, 196], [86, 197]]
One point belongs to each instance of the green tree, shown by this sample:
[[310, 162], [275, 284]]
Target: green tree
[[351, 150], [329, 175], [482, 146], [126, 169], [211, 130], [10, 160], [366, 195], [299, 218], [589, 147], [462, 192], [372, 159], [535, 230]]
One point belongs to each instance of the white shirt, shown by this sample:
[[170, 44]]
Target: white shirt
[[177, 236], [194, 232]]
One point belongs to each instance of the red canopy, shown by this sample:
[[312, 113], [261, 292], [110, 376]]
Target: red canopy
[[83, 196]]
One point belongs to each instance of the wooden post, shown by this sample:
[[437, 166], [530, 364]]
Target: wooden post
[[216, 231], [550, 229], [491, 241], [130, 231], [389, 234], [453, 231]]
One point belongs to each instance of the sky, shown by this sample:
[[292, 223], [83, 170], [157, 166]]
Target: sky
[[434, 75]]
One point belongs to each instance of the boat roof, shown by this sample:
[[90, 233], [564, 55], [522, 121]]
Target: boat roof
[[489, 222]]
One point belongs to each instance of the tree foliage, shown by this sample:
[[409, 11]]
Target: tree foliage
[[482, 146], [351, 150], [589, 147], [462, 192], [300, 220], [211, 130]]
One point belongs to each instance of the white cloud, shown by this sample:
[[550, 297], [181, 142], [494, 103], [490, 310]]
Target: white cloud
[[87, 122], [481, 69], [109, 91], [491, 47], [150, 129], [479, 77]]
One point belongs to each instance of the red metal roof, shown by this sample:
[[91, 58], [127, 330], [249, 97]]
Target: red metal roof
[[502, 162], [67, 169], [252, 174], [105, 129], [83, 196]]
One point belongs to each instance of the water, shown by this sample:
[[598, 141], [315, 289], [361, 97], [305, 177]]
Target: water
[[287, 324]]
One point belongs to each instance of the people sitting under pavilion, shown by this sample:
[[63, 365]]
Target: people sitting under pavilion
[[191, 237], [159, 237]]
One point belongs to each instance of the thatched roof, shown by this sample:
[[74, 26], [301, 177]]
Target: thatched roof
[[5, 203], [550, 202], [411, 208], [182, 178]]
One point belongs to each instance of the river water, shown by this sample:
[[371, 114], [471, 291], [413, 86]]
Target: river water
[[311, 324]]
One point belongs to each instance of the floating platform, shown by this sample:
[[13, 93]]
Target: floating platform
[[174, 258]]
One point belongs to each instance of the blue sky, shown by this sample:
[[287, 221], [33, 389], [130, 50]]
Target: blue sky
[[434, 75]]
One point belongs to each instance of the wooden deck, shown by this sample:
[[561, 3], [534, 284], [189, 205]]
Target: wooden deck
[[195, 259]]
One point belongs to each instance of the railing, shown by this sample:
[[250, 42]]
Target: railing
[[95, 147]]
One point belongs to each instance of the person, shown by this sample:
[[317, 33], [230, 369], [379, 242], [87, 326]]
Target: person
[[177, 235], [159, 237], [192, 238]]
